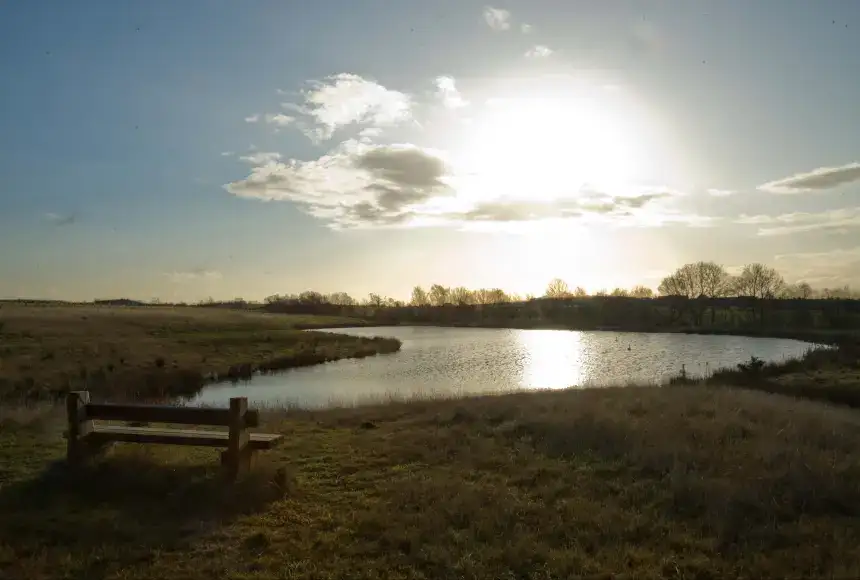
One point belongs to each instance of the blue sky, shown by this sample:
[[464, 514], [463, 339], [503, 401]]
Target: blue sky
[[198, 148]]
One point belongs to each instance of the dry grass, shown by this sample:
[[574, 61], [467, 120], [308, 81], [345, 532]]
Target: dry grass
[[611, 483], [153, 352]]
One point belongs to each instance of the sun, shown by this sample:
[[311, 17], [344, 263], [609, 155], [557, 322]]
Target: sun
[[549, 147]]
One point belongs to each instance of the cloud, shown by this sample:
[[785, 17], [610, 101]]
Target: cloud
[[526, 28], [344, 99], [356, 184], [840, 220], [720, 192], [194, 275], [838, 266], [362, 185], [819, 179], [260, 157], [446, 91], [539, 51], [227, 153], [279, 119], [252, 118], [60, 219], [370, 132], [497, 18]]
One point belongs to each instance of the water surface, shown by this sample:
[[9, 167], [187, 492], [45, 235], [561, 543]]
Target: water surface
[[473, 360]]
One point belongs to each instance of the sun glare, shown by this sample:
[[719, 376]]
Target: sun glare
[[546, 147]]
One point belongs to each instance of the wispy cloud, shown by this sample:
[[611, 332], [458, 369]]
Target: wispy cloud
[[362, 185], [720, 192], [252, 118], [834, 267], [526, 28], [194, 275], [841, 220], [260, 157], [345, 99], [820, 179], [539, 51], [446, 91], [497, 18], [279, 119], [60, 219]]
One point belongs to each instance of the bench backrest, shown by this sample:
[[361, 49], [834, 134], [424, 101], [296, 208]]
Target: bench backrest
[[165, 414]]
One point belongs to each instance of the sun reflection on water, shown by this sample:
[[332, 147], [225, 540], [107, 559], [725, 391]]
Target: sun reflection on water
[[553, 359]]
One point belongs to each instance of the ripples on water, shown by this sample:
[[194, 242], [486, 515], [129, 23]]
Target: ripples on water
[[466, 360]]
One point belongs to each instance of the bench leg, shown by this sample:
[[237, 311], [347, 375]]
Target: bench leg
[[96, 450], [235, 468]]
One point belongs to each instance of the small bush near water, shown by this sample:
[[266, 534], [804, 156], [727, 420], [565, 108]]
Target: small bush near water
[[830, 374]]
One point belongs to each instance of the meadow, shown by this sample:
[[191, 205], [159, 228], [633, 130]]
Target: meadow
[[700, 479], [635, 482], [157, 352]]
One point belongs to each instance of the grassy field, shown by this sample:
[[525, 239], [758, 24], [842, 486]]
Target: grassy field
[[689, 482], [153, 352]]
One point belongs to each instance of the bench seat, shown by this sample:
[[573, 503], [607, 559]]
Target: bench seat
[[87, 437], [122, 433]]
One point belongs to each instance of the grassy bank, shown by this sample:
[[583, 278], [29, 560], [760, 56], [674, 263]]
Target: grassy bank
[[608, 483], [149, 352], [830, 374]]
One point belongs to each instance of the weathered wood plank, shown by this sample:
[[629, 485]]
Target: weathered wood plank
[[122, 433], [167, 414], [238, 454], [79, 427]]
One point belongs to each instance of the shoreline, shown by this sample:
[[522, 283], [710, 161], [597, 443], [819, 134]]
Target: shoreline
[[814, 337]]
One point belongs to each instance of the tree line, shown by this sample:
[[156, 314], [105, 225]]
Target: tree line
[[692, 281]]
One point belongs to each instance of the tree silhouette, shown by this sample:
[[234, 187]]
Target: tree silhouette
[[759, 281], [438, 295], [557, 288], [419, 297], [641, 292]]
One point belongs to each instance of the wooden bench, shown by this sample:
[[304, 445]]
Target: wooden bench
[[87, 438]]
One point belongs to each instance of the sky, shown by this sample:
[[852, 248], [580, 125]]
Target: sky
[[183, 150]]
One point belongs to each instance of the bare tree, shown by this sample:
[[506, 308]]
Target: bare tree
[[419, 297], [438, 295], [312, 297], [497, 296], [375, 300], [799, 290], [461, 296], [341, 299], [698, 281], [759, 281], [580, 292], [620, 292], [642, 292], [557, 288]]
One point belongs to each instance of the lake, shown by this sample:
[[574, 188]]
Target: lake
[[474, 360]]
